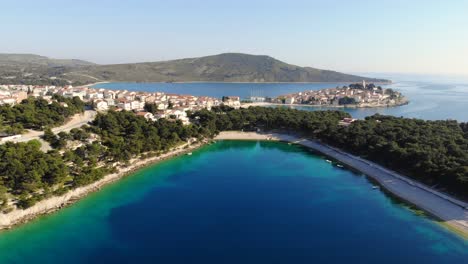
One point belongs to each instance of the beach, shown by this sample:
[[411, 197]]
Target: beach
[[19, 216], [450, 211]]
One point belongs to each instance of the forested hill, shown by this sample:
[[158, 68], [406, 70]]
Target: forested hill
[[227, 67]]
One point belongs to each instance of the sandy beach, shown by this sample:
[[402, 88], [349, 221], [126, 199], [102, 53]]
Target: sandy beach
[[452, 212], [19, 216]]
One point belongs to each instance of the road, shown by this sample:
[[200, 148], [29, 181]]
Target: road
[[452, 211], [76, 121]]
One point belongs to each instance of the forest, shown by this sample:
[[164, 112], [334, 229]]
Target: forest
[[28, 175], [36, 113], [433, 152]]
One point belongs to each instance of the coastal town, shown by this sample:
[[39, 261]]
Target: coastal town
[[157, 105], [173, 106], [354, 95]]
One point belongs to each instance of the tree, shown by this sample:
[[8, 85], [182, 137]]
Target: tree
[[346, 101]]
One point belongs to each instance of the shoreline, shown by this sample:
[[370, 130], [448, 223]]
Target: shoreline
[[92, 84], [452, 213], [221, 82], [55, 203], [265, 104]]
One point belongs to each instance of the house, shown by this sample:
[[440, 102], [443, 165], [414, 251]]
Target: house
[[161, 106], [289, 100], [124, 105], [146, 115], [160, 114], [232, 101], [100, 105], [137, 105], [110, 101], [347, 121]]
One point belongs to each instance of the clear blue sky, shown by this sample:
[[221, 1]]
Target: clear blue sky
[[353, 36]]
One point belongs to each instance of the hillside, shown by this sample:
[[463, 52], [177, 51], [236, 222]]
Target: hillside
[[35, 69], [28, 59], [228, 67]]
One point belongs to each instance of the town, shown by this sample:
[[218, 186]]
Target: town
[[170, 106], [354, 95]]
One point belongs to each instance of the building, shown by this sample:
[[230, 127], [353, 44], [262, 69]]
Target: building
[[232, 101], [100, 105], [147, 115], [289, 100]]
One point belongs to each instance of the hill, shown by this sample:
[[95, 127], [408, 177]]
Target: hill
[[35, 69], [228, 67], [28, 59]]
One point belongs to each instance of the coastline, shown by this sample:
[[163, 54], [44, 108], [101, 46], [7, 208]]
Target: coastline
[[343, 82], [452, 213], [90, 85], [265, 104], [52, 204]]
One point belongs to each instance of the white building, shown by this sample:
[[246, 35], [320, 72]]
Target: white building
[[100, 105]]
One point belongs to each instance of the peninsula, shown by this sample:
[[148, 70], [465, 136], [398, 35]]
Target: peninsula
[[354, 95]]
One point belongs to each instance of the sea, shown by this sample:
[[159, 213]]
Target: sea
[[430, 98], [237, 202]]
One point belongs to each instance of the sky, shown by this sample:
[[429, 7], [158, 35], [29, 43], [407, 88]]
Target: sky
[[411, 36]]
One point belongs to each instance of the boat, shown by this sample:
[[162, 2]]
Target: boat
[[329, 161], [339, 166], [375, 187], [189, 154]]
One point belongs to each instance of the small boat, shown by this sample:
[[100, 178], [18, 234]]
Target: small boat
[[375, 187], [329, 161], [189, 154], [339, 166]]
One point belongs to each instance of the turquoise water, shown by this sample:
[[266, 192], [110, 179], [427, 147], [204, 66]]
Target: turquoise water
[[236, 202], [436, 99]]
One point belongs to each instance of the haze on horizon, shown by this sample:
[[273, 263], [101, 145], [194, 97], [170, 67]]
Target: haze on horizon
[[427, 37]]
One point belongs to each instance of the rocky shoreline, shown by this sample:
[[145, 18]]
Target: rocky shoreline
[[52, 204]]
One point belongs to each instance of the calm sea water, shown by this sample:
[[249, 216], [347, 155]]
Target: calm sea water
[[433, 99], [236, 202]]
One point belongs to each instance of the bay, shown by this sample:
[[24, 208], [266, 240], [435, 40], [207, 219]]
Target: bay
[[236, 202]]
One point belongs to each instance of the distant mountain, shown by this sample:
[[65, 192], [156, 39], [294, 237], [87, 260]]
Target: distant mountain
[[228, 67]]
